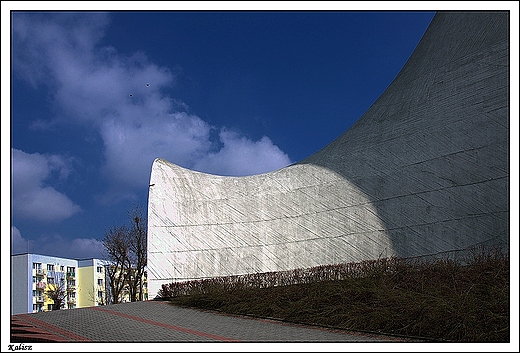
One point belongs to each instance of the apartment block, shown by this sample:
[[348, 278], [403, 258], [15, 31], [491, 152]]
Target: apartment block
[[83, 282], [92, 284]]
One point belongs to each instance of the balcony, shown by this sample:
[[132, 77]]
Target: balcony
[[39, 299], [71, 300], [39, 272], [71, 288], [41, 285], [50, 274], [71, 274]]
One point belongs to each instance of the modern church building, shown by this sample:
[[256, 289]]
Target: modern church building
[[424, 171]]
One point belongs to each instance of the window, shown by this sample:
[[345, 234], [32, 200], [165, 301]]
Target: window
[[34, 279], [100, 294], [62, 268], [71, 272], [50, 280], [99, 269], [37, 265], [100, 282], [50, 267]]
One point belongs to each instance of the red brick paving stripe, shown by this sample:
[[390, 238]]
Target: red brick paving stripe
[[172, 327], [54, 330], [38, 337], [29, 329], [17, 322]]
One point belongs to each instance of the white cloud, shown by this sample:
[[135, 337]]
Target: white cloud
[[86, 248], [43, 42], [32, 198], [56, 245], [18, 243], [242, 156], [130, 149], [138, 123]]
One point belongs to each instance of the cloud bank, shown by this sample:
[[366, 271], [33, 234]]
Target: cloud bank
[[123, 98], [32, 197], [56, 245], [18, 243]]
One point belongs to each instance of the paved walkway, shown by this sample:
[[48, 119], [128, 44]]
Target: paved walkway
[[157, 321]]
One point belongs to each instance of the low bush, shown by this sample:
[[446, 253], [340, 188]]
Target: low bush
[[440, 299]]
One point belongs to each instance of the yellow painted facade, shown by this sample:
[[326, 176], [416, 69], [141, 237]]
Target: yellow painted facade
[[91, 283]]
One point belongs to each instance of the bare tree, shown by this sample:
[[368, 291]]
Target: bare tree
[[126, 251], [56, 292], [101, 300], [117, 245], [138, 249]]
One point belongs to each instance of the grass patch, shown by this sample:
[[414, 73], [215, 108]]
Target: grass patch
[[442, 299]]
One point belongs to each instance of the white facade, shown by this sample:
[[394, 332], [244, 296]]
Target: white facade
[[424, 171], [299, 216]]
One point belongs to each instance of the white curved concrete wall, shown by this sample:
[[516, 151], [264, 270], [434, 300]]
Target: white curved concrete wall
[[424, 170], [204, 225]]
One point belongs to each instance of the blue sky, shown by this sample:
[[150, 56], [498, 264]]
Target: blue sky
[[97, 96]]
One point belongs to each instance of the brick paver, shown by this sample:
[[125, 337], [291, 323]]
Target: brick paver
[[156, 321]]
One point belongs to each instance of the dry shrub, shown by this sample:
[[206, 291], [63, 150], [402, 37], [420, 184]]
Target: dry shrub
[[443, 298]]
